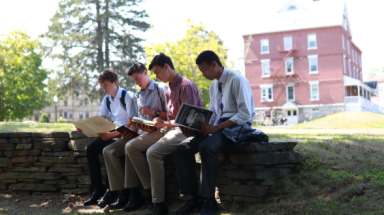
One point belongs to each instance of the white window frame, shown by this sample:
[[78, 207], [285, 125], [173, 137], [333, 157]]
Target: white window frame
[[357, 58], [288, 40], [354, 72], [353, 55], [293, 66], [309, 41], [311, 57], [263, 63], [314, 83], [313, 109], [342, 36], [360, 61], [261, 45], [345, 65], [266, 87], [348, 47], [349, 66], [287, 94]]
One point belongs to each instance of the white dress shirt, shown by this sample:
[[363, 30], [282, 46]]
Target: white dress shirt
[[119, 113], [237, 98]]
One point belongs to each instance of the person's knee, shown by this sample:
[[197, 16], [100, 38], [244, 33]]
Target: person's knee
[[178, 150], [106, 151], [152, 155], [205, 148]]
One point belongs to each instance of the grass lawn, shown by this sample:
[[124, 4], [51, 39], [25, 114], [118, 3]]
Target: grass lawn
[[36, 127], [343, 174]]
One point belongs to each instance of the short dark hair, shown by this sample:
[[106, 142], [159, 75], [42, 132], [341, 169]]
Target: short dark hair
[[208, 56], [136, 68], [160, 60], [107, 74]]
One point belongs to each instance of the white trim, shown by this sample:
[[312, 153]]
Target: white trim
[[309, 41], [286, 44], [313, 82], [344, 56], [345, 65], [286, 88], [313, 56], [293, 65], [265, 60], [343, 41], [317, 65], [266, 85], [348, 47], [353, 55], [261, 46]]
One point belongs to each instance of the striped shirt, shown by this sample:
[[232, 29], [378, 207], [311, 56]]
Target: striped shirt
[[150, 99], [181, 90]]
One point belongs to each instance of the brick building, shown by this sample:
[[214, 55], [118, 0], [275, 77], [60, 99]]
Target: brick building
[[302, 63]]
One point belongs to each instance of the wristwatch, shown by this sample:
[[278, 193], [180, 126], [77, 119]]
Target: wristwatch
[[157, 113]]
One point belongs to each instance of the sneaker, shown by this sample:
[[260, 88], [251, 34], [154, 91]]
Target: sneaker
[[158, 209], [210, 207], [193, 205]]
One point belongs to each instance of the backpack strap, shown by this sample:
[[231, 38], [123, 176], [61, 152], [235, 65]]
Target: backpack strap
[[122, 98], [158, 92], [108, 103]]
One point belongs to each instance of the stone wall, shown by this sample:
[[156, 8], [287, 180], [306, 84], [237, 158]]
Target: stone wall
[[56, 162]]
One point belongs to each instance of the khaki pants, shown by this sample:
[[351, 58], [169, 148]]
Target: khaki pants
[[151, 169]]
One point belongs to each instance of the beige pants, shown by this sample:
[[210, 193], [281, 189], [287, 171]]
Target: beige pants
[[151, 169]]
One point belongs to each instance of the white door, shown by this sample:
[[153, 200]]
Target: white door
[[291, 115]]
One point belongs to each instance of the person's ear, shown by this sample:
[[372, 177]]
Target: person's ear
[[166, 66], [116, 82], [214, 64], [145, 72]]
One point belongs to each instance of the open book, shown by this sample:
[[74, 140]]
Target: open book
[[143, 121], [187, 115], [94, 125], [123, 129]]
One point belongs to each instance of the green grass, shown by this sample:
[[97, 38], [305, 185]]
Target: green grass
[[345, 120], [343, 173], [36, 127]]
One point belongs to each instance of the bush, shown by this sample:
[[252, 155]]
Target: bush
[[44, 118], [61, 121]]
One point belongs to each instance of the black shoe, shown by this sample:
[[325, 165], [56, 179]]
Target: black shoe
[[210, 207], [158, 209], [107, 199], [136, 201], [193, 205], [120, 203], [97, 193]]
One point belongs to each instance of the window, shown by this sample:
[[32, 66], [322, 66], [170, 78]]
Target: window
[[354, 72], [315, 109], [66, 102], [289, 66], [264, 46], [312, 41], [65, 115], [70, 115], [294, 113], [342, 37], [266, 92], [357, 59], [86, 114], [288, 113], [349, 66], [292, 7], [314, 86], [81, 102], [353, 55], [345, 24], [287, 43], [81, 115], [290, 93], [345, 65], [265, 67], [360, 61], [313, 67], [348, 47]]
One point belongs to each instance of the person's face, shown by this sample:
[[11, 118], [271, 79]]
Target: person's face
[[140, 79], [161, 73], [209, 71], [108, 86]]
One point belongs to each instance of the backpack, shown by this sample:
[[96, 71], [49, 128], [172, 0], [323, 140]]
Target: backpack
[[122, 100]]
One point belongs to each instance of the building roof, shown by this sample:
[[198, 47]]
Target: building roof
[[372, 84], [301, 14]]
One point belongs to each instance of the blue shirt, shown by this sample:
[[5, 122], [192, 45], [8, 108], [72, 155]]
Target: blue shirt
[[149, 99], [119, 113]]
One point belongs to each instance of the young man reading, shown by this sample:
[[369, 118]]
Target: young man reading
[[147, 103], [231, 99], [117, 103], [151, 170]]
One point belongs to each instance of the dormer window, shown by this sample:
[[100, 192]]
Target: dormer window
[[291, 7]]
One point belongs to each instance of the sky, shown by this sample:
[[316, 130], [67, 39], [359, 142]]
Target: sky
[[229, 19]]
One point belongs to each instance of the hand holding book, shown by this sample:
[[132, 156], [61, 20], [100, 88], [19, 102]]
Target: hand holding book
[[127, 133]]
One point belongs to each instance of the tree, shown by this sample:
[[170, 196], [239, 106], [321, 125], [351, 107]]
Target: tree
[[90, 35], [376, 72], [185, 51], [44, 118], [21, 76]]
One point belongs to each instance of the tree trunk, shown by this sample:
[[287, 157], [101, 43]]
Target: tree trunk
[[106, 33], [99, 38]]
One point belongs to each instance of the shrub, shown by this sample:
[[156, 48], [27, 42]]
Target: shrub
[[61, 121], [44, 118]]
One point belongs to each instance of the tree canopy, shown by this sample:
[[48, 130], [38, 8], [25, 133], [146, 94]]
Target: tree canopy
[[87, 36], [21, 76], [185, 51]]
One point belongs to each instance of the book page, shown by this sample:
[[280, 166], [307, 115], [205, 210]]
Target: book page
[[88, 131], [99, 124], [187, 114]]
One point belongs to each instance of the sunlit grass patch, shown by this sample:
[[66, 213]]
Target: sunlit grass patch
[[36, 127]]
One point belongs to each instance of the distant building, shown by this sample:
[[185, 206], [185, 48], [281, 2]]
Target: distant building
[[70, 110], [378, 82], [302, 64]]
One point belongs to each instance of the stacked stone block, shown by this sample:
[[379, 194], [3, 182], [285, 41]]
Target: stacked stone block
[[56, 162]]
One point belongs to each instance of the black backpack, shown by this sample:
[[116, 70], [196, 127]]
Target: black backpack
[[122, 100]]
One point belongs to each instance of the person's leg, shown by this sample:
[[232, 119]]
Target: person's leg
[[112, 156], [92, 152]]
